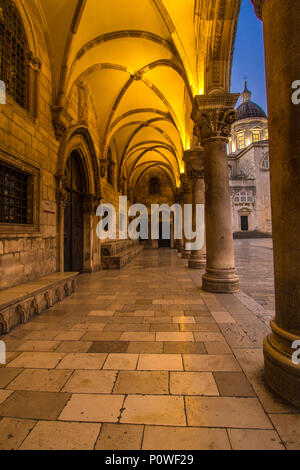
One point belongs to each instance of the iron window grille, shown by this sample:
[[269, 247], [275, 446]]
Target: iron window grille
[[15, 196], [13, 53]]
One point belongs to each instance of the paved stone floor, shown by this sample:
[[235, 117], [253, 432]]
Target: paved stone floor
[[142, 359], [254, 261]]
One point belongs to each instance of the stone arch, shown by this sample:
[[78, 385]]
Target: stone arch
[[78, 139]]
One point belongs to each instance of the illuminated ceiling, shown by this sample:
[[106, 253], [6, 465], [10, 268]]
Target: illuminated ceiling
[[142, 61]]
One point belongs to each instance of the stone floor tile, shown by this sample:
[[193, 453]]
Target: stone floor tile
[[39, 346], [217, 347], [101, 313], [233, 384], [34, 405], [158, 319], [208, 362], [183, 347], [4, 394], [120, 437], [164, 327], [183, 319], [193, 383], [202, 327], [74, 346], [249, 439], [138, 336], [93, 408], [142, 382], [160, 362], [288, 428], [207, 337], [40, 380], [7, 375], [91, 381], [37, 360], [152, 347], [121, 361], [177, 438], [101, 336], [153, 409], [13, 432], [222, 317], [226, 412], [82, 361], [144, 313], [42, 335], [55, 435], [109, 347], [180, 336], [69, 336], [117, 327]]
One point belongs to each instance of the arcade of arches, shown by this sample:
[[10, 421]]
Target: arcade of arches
[[102, 101]]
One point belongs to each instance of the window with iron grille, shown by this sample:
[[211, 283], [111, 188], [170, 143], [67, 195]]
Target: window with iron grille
[[15, 200], [154, 186], [13, 50]]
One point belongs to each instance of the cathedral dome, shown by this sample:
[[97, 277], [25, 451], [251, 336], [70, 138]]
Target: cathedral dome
[[247, 108]]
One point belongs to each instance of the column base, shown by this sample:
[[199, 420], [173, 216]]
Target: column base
[[281, 373], [197, 262], [221, 281], [185, 254]]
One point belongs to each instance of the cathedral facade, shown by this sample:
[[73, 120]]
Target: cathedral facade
[[249, 169]]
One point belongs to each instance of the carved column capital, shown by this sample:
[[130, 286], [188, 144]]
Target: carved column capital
[[194, 161], [258, 6], [213, 116]]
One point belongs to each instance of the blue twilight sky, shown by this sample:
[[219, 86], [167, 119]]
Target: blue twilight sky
[[249, 56]]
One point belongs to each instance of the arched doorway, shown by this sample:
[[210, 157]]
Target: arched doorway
[[73, 216]]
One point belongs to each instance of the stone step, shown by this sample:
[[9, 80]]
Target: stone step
[[121, 259], [18, 304]]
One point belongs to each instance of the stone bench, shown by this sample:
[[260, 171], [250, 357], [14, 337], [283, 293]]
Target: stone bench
[[18, 304], [115, 254]]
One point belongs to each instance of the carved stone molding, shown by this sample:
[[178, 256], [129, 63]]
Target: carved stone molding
[[33, 62], [213, 116], [61, 192], [258, 6], [185, 186], [103, 167], [91, 203], [61, 121]]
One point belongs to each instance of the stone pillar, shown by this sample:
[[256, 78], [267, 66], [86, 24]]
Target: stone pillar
[[281, 21], [179, 243], [213, 116], [187, 199], [195, 168], [61, 201]]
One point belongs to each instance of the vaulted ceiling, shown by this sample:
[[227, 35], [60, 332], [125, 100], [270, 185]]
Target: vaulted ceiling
[[143, 62]]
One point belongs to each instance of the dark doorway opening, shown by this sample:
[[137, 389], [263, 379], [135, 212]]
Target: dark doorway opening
[[244, 223], [73, 228], [162, 242]]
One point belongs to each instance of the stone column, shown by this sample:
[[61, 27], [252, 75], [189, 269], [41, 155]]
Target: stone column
[[61, 201], [187, 199], [281, 21], [179, 200], [213, 116], [195, 167]]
